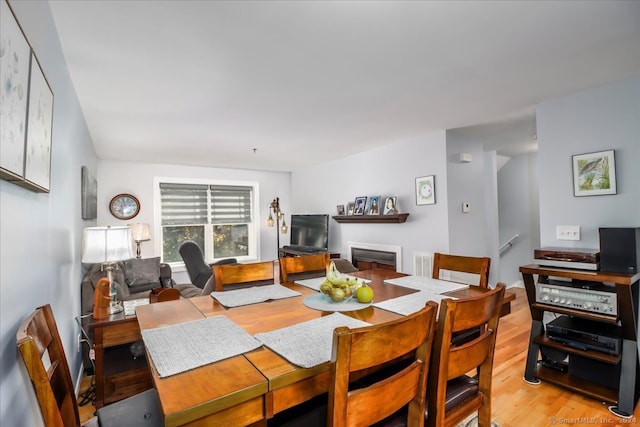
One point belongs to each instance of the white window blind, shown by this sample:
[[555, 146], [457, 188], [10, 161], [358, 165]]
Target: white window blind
[[230, 204], [183, 204]]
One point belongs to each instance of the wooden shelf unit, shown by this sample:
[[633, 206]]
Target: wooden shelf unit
[[623, 398], [375, 219]]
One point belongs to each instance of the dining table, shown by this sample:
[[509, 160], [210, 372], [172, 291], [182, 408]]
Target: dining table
[[248, 388]]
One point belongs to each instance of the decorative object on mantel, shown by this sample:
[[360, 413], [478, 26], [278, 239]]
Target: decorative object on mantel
[[124, 206], [140, 233], [376, 219], [594, 174], [89, 194], [426, 190], [390, 206], [274, 208], [350, 207], [374, 205], [26, 110], [107, 245], [340, 209]]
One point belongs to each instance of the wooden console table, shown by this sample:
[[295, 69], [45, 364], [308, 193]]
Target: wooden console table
[[118, 374], [625, 288]]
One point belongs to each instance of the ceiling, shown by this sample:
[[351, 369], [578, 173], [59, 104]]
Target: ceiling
[[282, 85]]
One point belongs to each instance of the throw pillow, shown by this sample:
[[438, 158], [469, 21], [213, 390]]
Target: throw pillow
[[143, 271]]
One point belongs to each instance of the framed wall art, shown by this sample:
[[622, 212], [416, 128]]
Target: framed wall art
[[594, 174], [373, 208], [15, 66], [360, 205], [426, 190], [390, 205], [89, 194], [37, 165]]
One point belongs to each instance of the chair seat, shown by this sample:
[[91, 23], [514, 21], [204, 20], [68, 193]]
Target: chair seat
[[460, 389], [143, 409]]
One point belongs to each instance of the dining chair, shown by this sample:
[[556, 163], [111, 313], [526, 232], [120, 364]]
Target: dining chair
[[243, 275], [452, 394], [479, 266], [380, 398], [303, 267], [41, 349]]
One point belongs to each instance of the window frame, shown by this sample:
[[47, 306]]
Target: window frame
[[253, 227]]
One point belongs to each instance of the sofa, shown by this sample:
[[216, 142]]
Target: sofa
[[134, 278]]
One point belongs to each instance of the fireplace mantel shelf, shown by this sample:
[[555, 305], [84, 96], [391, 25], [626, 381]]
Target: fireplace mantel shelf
[[387, 219]]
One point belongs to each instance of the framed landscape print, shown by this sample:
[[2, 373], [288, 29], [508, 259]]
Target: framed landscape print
[[37, 166], [14, 66], [594, 174], [426, 190]]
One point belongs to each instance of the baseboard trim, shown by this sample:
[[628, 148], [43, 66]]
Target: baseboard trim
[[517, 284], [79, 379]]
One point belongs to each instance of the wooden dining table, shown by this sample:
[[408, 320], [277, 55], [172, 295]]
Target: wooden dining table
[[248, 389]]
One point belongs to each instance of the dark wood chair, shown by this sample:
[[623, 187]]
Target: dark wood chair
[[464, 264], [243, 275], [452, 393], [376, 346], [303, 267], [41, 349]]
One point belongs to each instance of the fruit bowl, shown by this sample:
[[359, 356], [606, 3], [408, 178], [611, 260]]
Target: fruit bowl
[[343, 291]]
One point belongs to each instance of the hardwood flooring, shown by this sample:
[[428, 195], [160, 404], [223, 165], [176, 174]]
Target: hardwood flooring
[[516, 403]]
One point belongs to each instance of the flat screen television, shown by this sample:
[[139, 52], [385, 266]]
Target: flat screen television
[[310, 230]]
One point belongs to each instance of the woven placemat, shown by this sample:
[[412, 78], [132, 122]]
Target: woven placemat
[[253, 295], [411, 303], [308, 344], [189, 345], [429, 284]]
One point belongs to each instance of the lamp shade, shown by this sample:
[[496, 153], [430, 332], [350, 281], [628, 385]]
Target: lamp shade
[[140, 232], [106, 244]]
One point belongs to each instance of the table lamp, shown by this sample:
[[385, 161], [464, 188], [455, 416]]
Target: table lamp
[[107, 246], [140, 233]]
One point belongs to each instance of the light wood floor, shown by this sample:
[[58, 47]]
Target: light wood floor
[[516, 403]]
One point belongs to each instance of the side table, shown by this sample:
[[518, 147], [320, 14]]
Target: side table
[[118, 374]]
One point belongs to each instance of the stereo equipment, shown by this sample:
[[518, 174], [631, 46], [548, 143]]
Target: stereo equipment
[[620, 250], [588, 296], [584, 259], [586, 334]]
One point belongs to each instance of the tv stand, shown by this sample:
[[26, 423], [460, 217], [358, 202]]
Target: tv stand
[[300, 251]]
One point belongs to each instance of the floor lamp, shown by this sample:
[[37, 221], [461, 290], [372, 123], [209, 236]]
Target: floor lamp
[[274, 210], [107, 246]]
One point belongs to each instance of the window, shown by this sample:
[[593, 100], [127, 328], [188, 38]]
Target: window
[[219, 218]]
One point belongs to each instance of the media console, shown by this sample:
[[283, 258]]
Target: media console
[[611, 376]]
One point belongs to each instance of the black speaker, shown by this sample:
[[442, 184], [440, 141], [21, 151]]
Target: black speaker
[[620, 250]]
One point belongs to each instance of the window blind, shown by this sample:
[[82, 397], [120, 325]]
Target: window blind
[[230, 204], [183, 204]]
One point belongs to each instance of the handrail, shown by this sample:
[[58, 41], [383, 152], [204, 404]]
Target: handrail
[[509, 243]]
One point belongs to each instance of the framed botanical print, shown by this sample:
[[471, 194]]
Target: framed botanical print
[[426, 190], [594, 174]]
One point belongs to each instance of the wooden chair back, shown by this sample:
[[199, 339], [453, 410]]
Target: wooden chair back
[[243, 275], [463, 264], [314, 265], [450, 363], [375, 346], [38, 338]]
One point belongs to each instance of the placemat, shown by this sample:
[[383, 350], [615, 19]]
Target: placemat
[[411, 303], [308, 344], [429, 284], [189, 345], [253, 295], [320, 302]]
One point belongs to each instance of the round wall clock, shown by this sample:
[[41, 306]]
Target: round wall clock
[[124, 206]]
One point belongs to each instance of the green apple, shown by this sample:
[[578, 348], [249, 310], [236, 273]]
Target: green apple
[[364, 294]]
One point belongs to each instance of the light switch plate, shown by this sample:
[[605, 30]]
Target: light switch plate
[[568, 232]]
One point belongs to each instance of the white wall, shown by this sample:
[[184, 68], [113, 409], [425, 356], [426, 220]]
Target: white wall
[[41, 234], [137, 179], [386, 171], [603, 118]]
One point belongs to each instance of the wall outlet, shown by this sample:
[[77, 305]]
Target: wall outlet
[[568, 232], [466, 207]]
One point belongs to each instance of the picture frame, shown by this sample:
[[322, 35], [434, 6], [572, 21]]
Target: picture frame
[[37, 163], [390, 205], [340, 209], [350, 207], [594, 174], [360, 205], [426, 190], [373, 207], [89, 194], [13, 99]]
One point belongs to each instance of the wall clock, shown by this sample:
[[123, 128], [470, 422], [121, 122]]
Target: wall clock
[[124, 206]]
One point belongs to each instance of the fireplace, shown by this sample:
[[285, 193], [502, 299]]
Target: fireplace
[[366, 256]]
